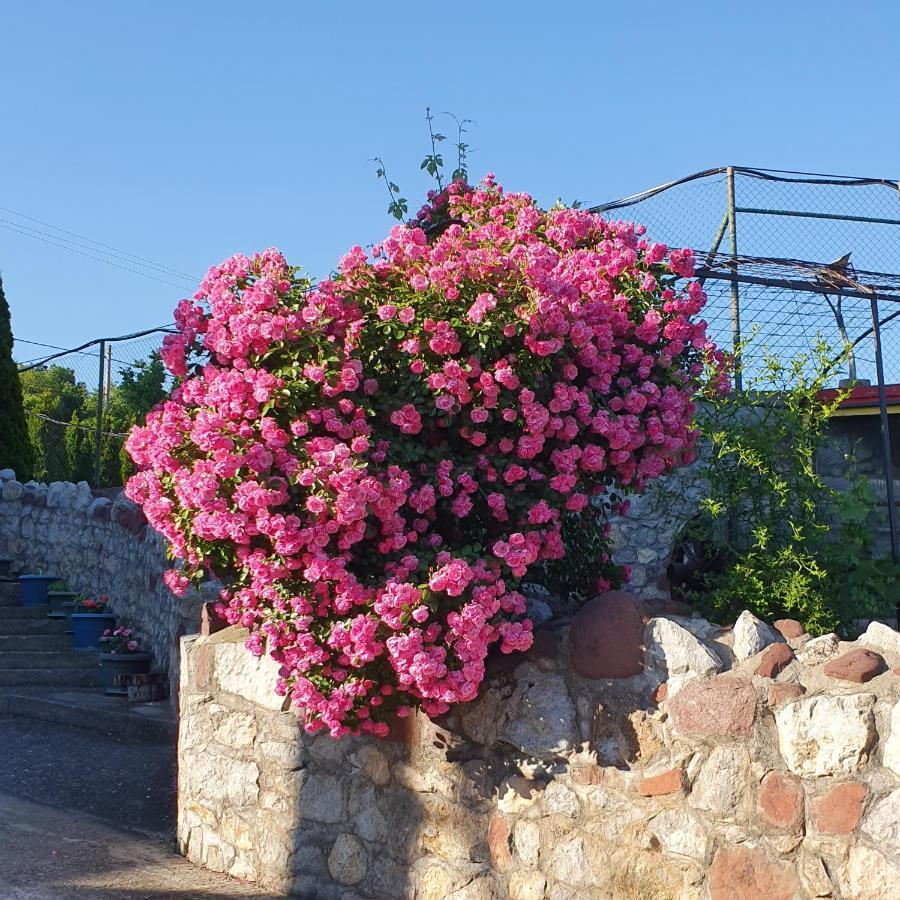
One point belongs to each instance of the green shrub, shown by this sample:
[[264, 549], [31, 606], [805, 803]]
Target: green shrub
[[776, 538]]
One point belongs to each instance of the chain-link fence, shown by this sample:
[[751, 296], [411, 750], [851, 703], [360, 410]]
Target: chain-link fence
[[788, 256], [80, 404], [790, 261]]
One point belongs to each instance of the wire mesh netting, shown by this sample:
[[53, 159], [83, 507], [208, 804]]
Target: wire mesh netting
[[122, 378], [811, 252], [792, 232]]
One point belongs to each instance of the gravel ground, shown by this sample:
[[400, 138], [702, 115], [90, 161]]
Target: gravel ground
[[86, 816]]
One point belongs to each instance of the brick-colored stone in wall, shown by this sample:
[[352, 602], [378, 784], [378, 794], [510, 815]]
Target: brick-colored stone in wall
[[789, 628], [665, 783], [749, 873], [779, 693], [780, 800], [858, 665], [839, 811], [774, 659], [607, 637], [720, 707]]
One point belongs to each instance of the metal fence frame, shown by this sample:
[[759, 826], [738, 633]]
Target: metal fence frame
[[104, 347], [814, 277]]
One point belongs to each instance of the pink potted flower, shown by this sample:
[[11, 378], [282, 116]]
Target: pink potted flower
[[121, 654]]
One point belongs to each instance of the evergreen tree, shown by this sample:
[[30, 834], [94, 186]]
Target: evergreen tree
[[15, 447]]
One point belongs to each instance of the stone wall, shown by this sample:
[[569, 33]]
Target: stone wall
[[644, 539], [97, 546], [622, 757]]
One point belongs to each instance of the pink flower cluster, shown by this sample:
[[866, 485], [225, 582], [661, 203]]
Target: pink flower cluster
[[372, 465]]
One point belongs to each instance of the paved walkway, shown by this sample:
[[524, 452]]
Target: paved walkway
[[89, 816], [52, 854]]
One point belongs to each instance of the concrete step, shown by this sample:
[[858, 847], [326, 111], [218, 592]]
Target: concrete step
[[32, 626], [49, 659], [33, 642], [49, 677], [23, 612], [93, 710]]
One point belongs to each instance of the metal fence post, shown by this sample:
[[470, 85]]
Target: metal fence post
[[735, 299], [885, 432], [98, 434]]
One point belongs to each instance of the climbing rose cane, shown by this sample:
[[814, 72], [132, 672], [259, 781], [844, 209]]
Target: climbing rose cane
[[373, 464]]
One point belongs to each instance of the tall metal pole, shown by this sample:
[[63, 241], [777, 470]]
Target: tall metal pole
[[107, 384], [885, 434], [98, 434], [735, 299]]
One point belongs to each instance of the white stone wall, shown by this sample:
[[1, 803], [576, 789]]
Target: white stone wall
[[97, 546], [644, 539], [737, 763]]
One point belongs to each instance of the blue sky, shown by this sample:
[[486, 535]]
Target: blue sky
[[184, 132]]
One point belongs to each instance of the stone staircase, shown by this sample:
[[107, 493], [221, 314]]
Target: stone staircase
[[35, 651], [41, 677]]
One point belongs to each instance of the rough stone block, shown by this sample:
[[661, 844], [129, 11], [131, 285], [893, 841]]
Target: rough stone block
[[869, 875], [858, 665], [719, 707], [673, 650], [749, 873], [238, 672], [607, 635], [839, 810], [323, 798], [882, 823], [781, 801], [722, 785], [891, 747], [348, 860], [752, 636], [826, 735]]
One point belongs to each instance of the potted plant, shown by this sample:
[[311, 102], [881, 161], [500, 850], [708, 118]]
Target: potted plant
[[121, 654], [58, 595], [89, 620], [34, 588]]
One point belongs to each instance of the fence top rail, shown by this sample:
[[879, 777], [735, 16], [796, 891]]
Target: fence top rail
[[161, 329], [784, 175]]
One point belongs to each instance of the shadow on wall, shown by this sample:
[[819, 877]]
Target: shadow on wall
[[465, 808], [261, 800], [687, 772]]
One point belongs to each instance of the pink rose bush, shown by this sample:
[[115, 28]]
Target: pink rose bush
[[373, 464]]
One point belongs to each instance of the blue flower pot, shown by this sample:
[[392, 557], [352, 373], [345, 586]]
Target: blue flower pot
[[88, 628], [115, 664], [34, 589]]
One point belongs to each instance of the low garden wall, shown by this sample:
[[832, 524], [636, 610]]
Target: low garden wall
[[623, 756], [97, 546]]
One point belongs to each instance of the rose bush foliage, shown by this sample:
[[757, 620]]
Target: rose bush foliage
[[372, 464]]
